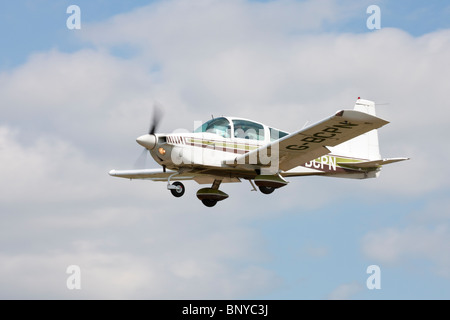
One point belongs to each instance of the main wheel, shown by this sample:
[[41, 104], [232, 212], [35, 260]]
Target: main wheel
[[179, 191], [209, 202], [266, 190]]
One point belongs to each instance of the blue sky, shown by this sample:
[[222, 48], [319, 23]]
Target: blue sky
[[38, 23], [73, 102]]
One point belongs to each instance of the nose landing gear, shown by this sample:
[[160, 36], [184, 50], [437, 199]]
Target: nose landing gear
[[177, 189]]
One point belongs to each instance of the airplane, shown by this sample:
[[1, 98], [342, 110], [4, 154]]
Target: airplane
[[232, 149]]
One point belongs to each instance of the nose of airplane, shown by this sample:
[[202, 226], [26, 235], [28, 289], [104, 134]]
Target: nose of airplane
[[147, 141]]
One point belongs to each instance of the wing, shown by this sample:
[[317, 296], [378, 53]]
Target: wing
[[151, 174], [311, 143], [200, 176]]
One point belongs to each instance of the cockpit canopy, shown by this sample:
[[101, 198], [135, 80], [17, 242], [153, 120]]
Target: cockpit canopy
[[239, 128], [219, 126]]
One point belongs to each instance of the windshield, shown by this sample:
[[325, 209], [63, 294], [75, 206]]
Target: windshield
[[220, 126]]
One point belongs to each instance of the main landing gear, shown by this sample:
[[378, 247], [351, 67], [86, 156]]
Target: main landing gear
[[266, 190], [268, 183], [209, 202], [208, 196]]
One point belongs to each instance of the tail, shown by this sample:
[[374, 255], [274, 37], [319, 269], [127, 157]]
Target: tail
[[365, 147], [363, 152]]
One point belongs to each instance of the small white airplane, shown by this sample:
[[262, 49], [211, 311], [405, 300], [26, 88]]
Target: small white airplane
[[228, 149]]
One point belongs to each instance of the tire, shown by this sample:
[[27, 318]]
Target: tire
[[266, 190], [209, 203], [179, 191]]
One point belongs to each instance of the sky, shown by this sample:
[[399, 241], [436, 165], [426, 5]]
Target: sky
[[73, 102]]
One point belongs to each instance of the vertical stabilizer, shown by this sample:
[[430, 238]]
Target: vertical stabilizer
[[365, 146]]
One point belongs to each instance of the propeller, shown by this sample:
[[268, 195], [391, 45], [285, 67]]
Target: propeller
[[149, 141], [157, 116], [141, 161]]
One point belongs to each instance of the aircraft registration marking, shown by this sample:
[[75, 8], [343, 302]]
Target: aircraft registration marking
[[319, 163], [322, 135]]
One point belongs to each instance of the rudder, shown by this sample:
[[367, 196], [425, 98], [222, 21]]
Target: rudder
[[365, 146]]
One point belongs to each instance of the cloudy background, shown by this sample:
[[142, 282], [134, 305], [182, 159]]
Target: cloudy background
[[73, 101]]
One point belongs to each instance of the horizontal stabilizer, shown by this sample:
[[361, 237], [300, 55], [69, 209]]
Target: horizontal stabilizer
[[370, 164]]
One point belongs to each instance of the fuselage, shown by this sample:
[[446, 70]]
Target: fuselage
[[229, 149], [215, 145]]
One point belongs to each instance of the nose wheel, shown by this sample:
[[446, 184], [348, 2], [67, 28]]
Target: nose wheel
[[177, 189]]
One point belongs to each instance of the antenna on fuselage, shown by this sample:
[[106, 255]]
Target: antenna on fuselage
[[212, 117]]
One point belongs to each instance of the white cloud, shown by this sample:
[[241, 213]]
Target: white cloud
[[345, 291], [47, 170], [409, 244], [68, 118], [434, 212], [161, 259], [59, 208]]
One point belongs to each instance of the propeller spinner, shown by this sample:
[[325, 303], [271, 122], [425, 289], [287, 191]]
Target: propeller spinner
[[149, 140]]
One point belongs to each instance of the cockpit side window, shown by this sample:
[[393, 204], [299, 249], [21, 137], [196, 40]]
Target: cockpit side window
[[220, 126], [276, 134], [248, 130]]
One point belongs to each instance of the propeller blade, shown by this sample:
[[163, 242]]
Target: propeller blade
[[141, 161], [157, 115]]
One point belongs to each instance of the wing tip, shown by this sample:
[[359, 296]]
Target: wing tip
[[339, 113], [355, 115]]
